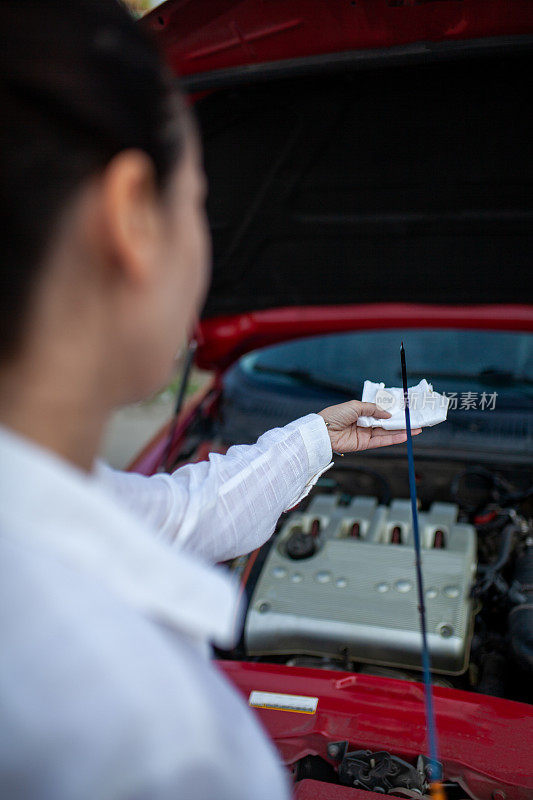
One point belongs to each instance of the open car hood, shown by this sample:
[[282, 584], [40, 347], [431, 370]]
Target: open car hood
[[368, 163]]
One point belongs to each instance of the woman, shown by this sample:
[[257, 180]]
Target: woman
[[107, 598]]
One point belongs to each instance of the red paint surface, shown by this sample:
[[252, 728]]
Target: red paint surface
[[223, 339], [485, 742], [317, 790], [206, 35]]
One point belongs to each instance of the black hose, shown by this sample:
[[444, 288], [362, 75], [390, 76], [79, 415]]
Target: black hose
[[461, 491], [521, 616], [496, 490], [506, 548]]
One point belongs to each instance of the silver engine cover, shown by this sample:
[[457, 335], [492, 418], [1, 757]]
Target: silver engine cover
[[357, 597]]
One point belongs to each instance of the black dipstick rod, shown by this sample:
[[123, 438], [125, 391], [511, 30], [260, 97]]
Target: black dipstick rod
[[437, 791]]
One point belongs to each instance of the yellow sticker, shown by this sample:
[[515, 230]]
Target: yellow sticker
[[283, 702]]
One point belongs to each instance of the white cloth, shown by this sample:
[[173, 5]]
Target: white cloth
[[106, 687], [426, 407]]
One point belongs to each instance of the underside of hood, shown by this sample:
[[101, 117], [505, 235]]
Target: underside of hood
[[212, 41], [410, 184], [372, 155]]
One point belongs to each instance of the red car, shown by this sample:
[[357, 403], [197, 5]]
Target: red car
[[370, 181]]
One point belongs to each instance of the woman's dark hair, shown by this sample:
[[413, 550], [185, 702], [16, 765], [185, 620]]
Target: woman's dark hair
[[80, 82]]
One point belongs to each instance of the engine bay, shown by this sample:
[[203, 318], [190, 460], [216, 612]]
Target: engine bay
[[335, 586], [335, 590]]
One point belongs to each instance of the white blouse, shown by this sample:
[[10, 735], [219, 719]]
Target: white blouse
[[107, 606]]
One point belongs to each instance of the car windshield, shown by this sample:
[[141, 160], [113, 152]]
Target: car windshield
[[481, 371], [454, 360]]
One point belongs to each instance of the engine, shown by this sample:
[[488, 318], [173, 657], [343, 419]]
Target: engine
[[335, 587], [339, 582]]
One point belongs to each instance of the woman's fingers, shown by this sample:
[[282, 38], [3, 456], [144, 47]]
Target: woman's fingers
[[346, 436], [383, 438], [388, 439], [384, 431], [343, 415], [372, 410]]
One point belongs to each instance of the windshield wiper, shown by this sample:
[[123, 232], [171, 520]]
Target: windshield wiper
[[490, 376], [306, 378]]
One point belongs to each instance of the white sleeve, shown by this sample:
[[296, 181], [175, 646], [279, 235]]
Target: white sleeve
[[229, 505]]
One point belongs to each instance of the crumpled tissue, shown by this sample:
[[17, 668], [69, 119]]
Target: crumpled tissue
[[426, 407]]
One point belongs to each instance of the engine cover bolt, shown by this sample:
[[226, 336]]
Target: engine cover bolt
[[446, 631]]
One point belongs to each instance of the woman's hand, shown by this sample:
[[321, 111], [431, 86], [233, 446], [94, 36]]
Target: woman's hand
[[347, 437]]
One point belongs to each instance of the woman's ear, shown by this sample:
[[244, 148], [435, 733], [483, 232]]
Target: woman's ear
[[129, 214]]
